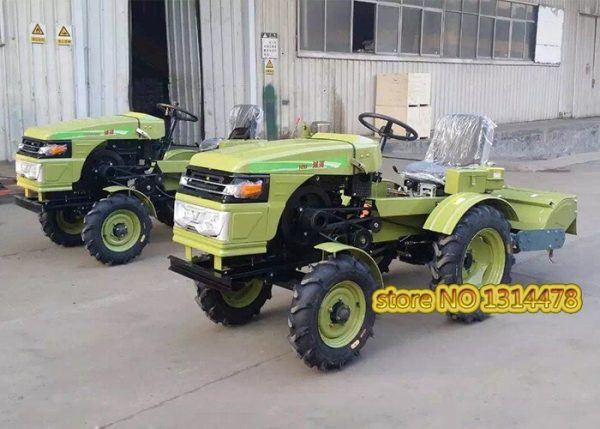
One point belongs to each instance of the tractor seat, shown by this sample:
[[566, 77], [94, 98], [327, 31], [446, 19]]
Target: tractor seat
[[459, 140], [245, 122]]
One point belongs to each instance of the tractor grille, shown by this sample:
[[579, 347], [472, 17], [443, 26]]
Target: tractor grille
[[31, 147], [210, 184]]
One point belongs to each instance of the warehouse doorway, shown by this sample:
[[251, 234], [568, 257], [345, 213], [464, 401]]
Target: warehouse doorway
[[149, 55], [586, 100]]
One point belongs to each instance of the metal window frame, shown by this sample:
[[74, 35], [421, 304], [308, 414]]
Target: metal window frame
[[395, 6], [412, 56]]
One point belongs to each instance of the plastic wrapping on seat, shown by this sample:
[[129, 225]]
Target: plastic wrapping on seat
[[246, 121], [459, 140], [210, 144], [425, 171]]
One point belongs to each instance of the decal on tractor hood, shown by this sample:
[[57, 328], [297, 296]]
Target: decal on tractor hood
[[281, 166], [88, 133]]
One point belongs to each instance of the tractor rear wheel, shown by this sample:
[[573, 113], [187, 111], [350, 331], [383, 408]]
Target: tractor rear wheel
[[233, 308], [117, 229], [331, 317], [478, 253], [63, 226]]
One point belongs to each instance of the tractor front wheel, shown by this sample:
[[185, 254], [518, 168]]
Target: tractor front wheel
[[478, 253], [331, 317], [63, 226], [117, 229], [233, 308]]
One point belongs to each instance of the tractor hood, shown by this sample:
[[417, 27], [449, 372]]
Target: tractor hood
[[317, 154], [108, 127]]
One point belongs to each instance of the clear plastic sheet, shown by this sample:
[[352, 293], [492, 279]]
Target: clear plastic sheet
[[210, 144], [247, 116], [459, 140], [245, 121]]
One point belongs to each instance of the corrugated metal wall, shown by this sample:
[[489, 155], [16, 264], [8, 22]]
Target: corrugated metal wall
[[37, 81], [339, 89], [46, 83], [107, 55], [185, 86], [224, 61]]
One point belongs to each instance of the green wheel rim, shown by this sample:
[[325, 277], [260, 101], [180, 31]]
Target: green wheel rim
[[121, 230], [245, 296], [484, 259], [72, 225], [349, 296]]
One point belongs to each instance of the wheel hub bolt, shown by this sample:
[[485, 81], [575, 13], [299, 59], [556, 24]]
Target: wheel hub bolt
[[340, 312], [120, 230]]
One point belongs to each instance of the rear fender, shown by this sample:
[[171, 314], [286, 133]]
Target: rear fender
[[332, 248], [147, 202], [444, 218]]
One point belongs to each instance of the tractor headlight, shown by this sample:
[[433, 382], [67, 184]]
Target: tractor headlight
[[53, 150], [204, 221], [29, 170], [244, 188]]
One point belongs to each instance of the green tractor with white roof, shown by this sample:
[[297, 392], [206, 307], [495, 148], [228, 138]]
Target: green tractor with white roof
[[98, 181], [314, 215]]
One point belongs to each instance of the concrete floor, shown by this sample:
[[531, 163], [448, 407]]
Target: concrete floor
[[85, 345]]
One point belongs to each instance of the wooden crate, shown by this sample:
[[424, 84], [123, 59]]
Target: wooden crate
[[403, 89], [407, 97], [420, 119]]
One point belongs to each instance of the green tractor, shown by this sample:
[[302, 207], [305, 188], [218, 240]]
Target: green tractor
[[98, 181], [315, 216]]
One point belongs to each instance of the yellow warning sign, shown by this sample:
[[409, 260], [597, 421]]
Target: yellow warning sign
[[64, 35], [37, 33], [269, 68], [37, 30]]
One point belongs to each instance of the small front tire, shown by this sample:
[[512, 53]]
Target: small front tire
[[117, 229], [233, 308], [63, 227], [165, 211], [331, 318]]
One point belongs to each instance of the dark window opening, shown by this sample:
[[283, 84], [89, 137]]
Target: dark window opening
[[363, 27], [149, 56]]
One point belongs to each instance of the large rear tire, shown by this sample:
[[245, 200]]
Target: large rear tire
[[331, 318], [63, 227], [233, 308], [117, 229], [478, 252]]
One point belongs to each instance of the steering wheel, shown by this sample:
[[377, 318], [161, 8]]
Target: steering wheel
[[386, 132], [177, 112]]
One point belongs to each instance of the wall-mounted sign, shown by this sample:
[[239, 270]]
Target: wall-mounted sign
[[64, 35], [270, 45], [269, 68], [37, 33]]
